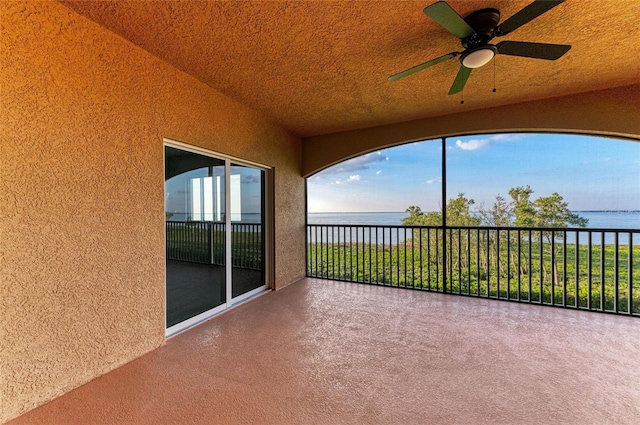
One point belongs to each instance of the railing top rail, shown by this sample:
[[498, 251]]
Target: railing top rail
[[210, 222], [511, 228]]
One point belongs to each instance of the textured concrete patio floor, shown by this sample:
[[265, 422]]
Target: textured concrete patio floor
[[324, 352]]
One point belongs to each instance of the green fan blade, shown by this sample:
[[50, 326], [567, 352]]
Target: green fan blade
[[461, 80], [422, 66], [528, 13], [533, 50], [443, 14]]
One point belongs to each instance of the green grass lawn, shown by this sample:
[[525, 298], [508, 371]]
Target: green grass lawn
[[565, 276]]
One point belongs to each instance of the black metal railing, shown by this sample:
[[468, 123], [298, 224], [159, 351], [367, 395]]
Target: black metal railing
[[204, 242], [590, 269]]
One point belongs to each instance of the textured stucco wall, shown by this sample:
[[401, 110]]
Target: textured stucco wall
[[83, 116], [613, 112]]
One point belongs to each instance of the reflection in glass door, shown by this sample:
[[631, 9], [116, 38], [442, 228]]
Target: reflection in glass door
[[247, 222], [213, 259], [195, 234]]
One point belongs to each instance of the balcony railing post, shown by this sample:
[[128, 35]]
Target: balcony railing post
[[210, 243]]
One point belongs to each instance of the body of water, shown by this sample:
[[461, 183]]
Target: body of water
[[597, 220]]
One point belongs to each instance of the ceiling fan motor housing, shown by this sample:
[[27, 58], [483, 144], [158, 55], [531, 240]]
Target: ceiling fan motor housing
[[484, 23]]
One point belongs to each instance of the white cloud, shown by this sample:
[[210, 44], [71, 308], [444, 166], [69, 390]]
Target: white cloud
[[507, 137], [350, 179], [251, 178], [434, 180], [473, 144], [359, 163], [378, 172]]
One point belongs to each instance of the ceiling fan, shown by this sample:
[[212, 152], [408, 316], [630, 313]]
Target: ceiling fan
[[476, 31]]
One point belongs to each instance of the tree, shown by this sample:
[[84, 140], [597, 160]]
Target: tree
[[418, 218], [500, 215], [459, 212], [551, 211], [545, 212], [522, 208]]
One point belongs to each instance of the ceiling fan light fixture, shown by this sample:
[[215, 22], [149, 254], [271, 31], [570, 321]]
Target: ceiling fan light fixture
[[478, 57]]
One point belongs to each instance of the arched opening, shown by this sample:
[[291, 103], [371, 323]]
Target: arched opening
[[535, 217]]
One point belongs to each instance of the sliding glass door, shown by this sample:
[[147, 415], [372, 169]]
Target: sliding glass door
[[247, 222], [214, 259]]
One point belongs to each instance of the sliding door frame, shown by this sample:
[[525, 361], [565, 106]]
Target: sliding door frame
[[268, 242]]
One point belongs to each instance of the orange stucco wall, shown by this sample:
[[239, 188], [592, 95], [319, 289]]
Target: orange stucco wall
[[83, 117], [613, 112]]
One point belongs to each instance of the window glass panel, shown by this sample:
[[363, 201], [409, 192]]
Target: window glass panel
[[247, 223], [195, 234]]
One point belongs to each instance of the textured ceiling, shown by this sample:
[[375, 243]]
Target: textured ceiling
[[319, 67]]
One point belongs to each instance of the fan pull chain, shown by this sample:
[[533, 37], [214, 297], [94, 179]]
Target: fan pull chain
[[462, 94], [494, 74]]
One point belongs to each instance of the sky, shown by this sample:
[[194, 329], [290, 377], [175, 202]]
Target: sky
[[590, 173], [178, 190]]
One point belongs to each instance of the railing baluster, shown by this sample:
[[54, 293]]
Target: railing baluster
[[325, 250], [630, 276], [350, 252], [362, 272], [357, 257], [459, 261], [602, 274], [420, 257], [554, 275], [468, 261], [370, 245], [577, 268], [397, 255], [333, 252], [449, 263], [508, 265], [179, 236], [363, 259], [478, 261], [384, 250], [378, 254], [342, 255], [489, 263], [530, 264], [437, 244], [616, 267], [590, 269], [428, 259], [519, 265], [541, 253], [413, 256], [564, 268], [498, 263]]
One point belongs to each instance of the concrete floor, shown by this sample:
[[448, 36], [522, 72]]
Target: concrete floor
[[325, 352]]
